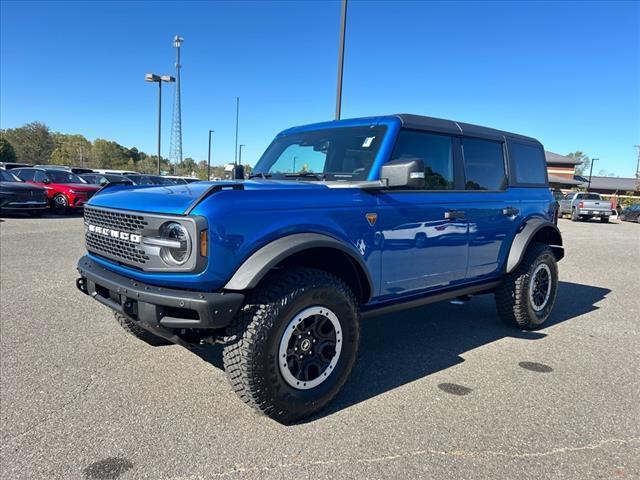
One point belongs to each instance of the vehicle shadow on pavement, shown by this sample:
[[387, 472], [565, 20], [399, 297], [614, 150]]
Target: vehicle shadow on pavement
[[403, 347], [400, 348]]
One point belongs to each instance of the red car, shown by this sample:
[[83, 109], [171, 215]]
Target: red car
[[65, 190]]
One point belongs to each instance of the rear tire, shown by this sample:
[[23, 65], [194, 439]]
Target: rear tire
[[526, 296], [132, 329], [574, 215], [261, 355]]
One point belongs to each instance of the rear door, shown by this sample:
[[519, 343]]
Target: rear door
[[423, 232], [492, 211]]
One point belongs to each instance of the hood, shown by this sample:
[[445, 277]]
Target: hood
[[20, 187], [177, 199]]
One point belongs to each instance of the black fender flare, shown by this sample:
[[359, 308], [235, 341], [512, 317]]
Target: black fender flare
[[258, 264], [523, 238]]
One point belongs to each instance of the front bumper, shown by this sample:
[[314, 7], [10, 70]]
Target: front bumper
[[157, 307], [27, 205]]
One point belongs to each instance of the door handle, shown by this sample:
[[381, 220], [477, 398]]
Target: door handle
[[510, 211], [454, 215]]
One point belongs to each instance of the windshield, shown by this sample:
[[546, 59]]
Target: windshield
[[8, 177], [345, 153], [60, 176]]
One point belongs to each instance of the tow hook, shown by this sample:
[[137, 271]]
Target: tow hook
[[81, 284]]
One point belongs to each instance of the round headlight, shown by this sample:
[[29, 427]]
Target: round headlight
[[175, 255]]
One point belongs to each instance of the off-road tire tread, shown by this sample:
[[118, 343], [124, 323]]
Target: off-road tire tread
[[132, 329], [511, 294], [252, 324]]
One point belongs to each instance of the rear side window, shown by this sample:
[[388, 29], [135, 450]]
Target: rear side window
[[483, 165], [26, 175], [529, 164], [436, 153], [39, 176]]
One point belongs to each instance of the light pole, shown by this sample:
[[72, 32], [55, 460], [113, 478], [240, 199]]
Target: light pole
[[152, 77], [593, 160], [209, 157], [343, 30], [240, 154]]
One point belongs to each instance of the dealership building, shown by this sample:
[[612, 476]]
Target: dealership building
[[562, 176]]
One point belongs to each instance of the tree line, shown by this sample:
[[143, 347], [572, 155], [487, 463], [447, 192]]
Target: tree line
[[34, 143]]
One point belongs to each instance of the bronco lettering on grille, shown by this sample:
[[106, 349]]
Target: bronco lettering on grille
[[109, 232]]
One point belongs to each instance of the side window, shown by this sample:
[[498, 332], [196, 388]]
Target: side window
[[26, 175], [39, 176], [529, 163], [436, 153], [483, 165]]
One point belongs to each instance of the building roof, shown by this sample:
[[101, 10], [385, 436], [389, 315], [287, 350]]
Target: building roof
[[612, 183], [560, 159], [564, 181]]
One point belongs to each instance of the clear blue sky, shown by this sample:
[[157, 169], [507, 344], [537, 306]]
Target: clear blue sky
[[566, 73]]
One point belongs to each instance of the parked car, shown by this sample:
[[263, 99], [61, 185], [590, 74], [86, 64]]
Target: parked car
[[18, 196], [65, 190], [12, 165], [281, 267], [142, 179], [631, 214], [103, 179], [585, 206], [116, 172], [178, 180]]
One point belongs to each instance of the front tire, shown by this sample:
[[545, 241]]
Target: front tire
[[526, 296], [60, 204], [293, 345]]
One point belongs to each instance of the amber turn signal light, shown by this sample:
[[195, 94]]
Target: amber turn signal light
[[204, 242]]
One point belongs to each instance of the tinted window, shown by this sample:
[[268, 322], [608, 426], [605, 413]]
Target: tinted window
[[483, 165], [588, 196], [26, 175], [529, 163], [39, 176], [7, 177], [62, 176], [434, 150]]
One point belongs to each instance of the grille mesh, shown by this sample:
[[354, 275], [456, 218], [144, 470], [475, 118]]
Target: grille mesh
[[123, 250]]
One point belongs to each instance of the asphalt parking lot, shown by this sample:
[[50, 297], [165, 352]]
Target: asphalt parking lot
[[444, 391]]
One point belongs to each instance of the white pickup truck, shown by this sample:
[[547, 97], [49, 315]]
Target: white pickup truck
[[584, 206]]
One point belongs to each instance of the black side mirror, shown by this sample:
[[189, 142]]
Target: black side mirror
[[238, 172], [403, 173]]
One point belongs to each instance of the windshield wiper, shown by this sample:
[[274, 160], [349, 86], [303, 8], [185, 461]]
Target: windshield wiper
[[317, 176], [264, 176]]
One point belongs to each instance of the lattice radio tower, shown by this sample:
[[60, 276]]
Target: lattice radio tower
[[175, 149]]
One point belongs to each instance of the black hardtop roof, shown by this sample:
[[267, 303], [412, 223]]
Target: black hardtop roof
[[420, 122]]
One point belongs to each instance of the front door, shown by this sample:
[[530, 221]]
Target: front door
[[423, 233]]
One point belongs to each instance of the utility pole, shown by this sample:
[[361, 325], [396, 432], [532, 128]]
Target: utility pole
[[235, 159], [343, 30], [638, 169], [209, 157], [593, 160], [175, 150]]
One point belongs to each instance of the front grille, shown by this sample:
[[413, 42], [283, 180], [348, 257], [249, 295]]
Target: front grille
[[29, 196], [122, 250]]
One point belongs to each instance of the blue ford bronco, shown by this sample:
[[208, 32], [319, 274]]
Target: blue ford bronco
[[337, 222]]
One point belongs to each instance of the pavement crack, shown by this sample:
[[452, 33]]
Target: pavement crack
[[417, 453]]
